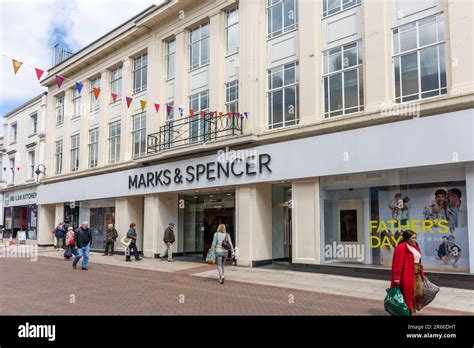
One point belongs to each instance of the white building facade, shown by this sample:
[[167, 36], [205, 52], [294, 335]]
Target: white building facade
[[315, 131]]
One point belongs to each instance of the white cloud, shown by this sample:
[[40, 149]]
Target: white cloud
[[26, 28]]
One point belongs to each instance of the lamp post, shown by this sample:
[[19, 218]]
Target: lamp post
[[39, 171]]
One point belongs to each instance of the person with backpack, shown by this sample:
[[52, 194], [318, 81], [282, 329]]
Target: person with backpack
[[222, 244], [111, 236]]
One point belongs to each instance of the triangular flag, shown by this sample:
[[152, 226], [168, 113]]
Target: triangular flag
[[221, 114], [79, 87], [4, 168], [168, 109], [96, 92], [114, 97], [59, 80], [16, 65], [129, 101], [39, 73], [191, 112], [238, 114], [212, 114], [203, 114], [246, 114], [143, 104], [18, 168], [181, 110], [229, 114], [157, 106]]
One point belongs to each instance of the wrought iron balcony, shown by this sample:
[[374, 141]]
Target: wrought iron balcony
[[193, 130]]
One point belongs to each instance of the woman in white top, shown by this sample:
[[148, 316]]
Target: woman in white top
[[407, 271], [222, 244]]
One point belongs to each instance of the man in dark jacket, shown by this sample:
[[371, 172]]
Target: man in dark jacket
[[132, 234], [169, 240], [110, 237], [60, 233], [82, 241]]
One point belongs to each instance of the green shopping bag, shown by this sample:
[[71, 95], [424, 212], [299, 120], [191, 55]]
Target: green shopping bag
[[394, 302], [211, 256]]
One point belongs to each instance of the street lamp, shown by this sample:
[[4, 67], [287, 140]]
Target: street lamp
[[39, 171]]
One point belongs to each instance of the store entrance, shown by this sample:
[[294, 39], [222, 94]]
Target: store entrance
[[281, 224], [200, 214]]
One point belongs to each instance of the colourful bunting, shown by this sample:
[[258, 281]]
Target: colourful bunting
[[229, 114], [203, 114], [238, 115], [142, 104], [114, 97], [221, 114], [4, 168], [59, 80], [16, 65], [191, 112], [157, 106], [39, 73], [18, 169], [96, 92], [211, 114], [129, 101], [79, 87], [168, 110], [181, 110], [246, 114]]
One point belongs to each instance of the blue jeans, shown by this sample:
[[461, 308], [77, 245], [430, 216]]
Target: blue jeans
[[221, 259], [84, 251]]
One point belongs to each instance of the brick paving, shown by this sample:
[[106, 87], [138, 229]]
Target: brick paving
[[45, 288]]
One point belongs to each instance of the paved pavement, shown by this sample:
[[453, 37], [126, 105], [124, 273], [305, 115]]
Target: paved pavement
[[111, 286]]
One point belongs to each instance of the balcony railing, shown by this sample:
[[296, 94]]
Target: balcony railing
[[193, 130]]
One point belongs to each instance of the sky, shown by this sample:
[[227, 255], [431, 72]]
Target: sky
[[30, 28]]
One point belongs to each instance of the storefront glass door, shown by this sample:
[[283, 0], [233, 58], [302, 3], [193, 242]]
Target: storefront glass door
[[281, 223]]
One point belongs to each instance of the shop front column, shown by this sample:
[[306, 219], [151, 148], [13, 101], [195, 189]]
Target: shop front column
[[128, 210], [150, 226], [254, 224], [46, 224], [470, 211], [306, 243]]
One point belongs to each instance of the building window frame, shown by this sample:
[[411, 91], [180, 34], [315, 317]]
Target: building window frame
[[31, 164], [415, 51], [342, 5], [197, 125], [93, 147], [115, 133], [14, 133], [274, 89], [34, 123], [273, 9], [232, 24], [139, 135], [76, 101], [58, 157], [344, 56], [232, 96], [75, 143], [199, 40], [170, 58], [12, 168], [60, 109], [139, 74], [116, 84], [95, 103]]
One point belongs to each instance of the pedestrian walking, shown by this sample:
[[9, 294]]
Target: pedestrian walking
[[222, 244], [132, 234], [82, 241], [111, 236], [407, 271], [69, 243], [59, 233], [168, 239]]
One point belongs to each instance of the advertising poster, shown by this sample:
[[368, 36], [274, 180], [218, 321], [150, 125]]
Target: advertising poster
[[437, 213]]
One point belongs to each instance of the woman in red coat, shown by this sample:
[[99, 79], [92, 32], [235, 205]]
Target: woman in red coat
[[407, 271]]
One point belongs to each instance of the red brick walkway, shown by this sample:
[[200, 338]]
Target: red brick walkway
[[45, 287]]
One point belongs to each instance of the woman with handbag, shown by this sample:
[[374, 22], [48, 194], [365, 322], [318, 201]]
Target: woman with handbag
[[407, 271], [222, 244], [69, 243]]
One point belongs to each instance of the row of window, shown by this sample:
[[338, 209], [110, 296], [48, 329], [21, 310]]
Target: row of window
[[30, 167]]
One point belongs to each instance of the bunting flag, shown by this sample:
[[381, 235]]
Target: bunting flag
[[114, 97], [59, 80], [96, 92], [18, 169], [229, 114], [39, 73], [129, 101], [181, 110], [246, 114], [211, 114], [203, 114], [157, 106], [79, 87], [143, 104], [221, 114], [16, 65], [191, 112], [168, 110], [4, 168], [238, 115]]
